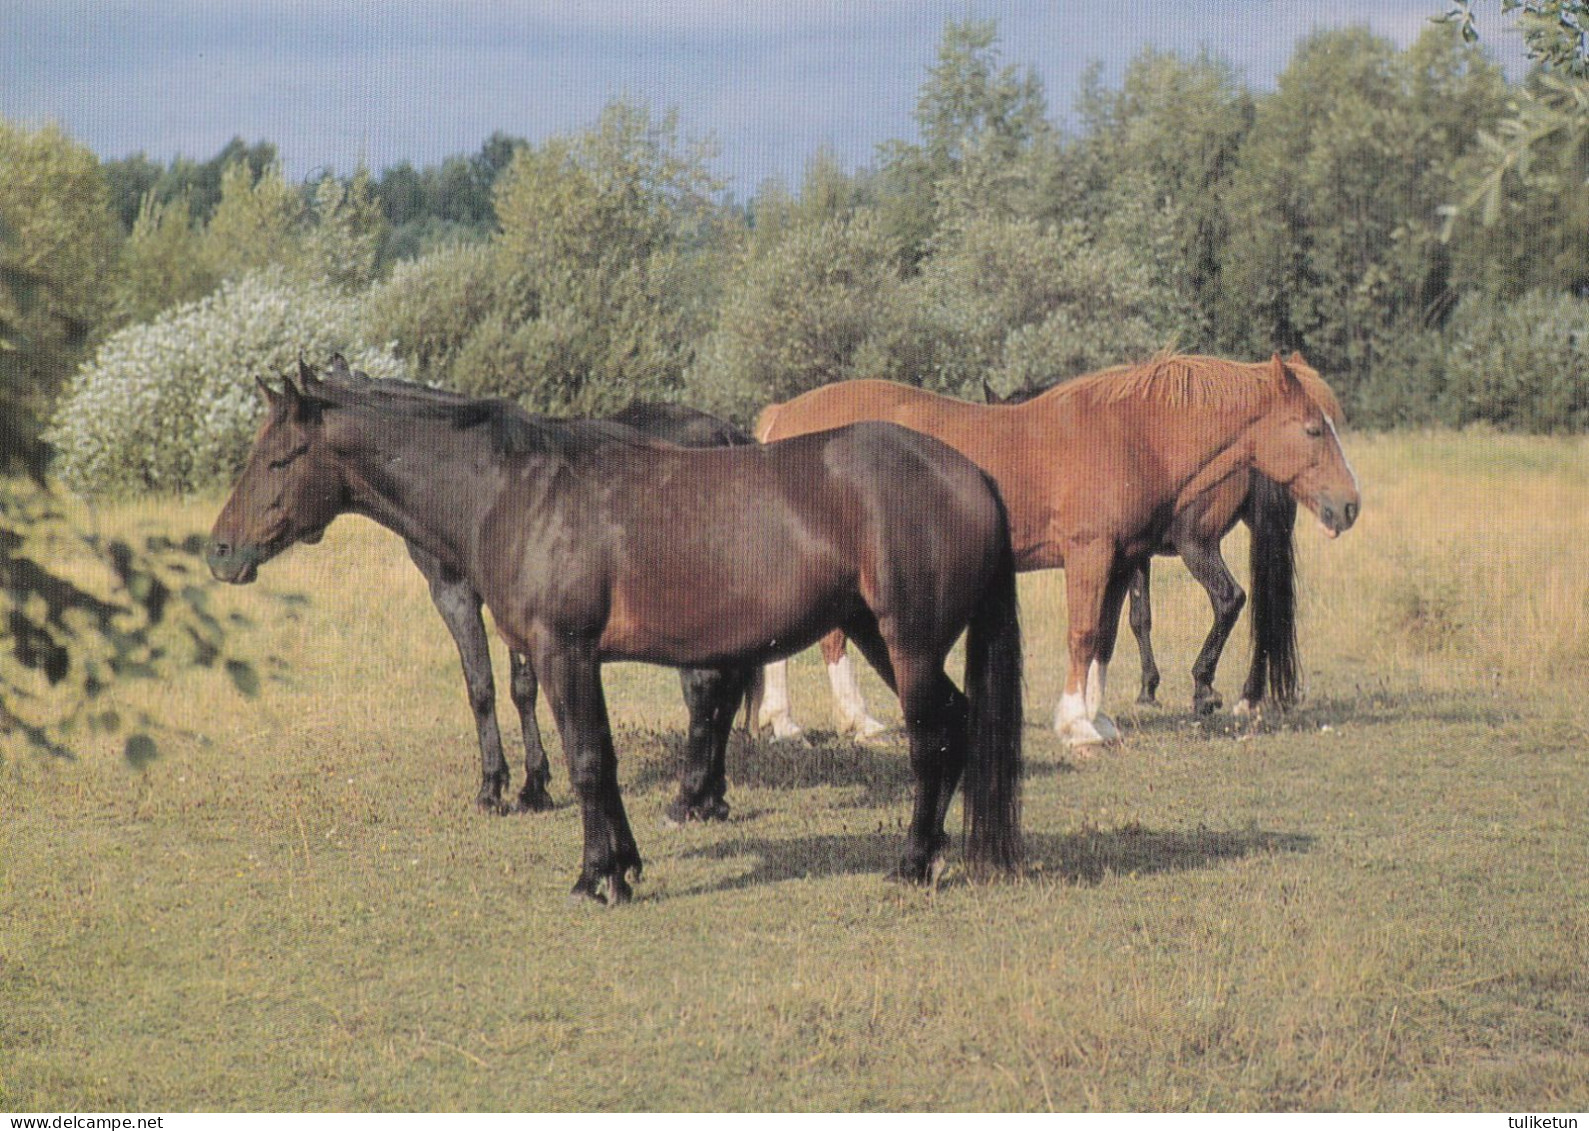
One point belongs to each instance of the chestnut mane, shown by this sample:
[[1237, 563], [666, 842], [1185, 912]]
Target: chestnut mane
[[1186, 380]]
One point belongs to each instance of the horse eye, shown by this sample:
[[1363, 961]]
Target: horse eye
[[283, 461], [1313, 429]]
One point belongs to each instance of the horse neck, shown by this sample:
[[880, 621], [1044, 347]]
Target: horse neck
[[1208, 445], [420, 477]]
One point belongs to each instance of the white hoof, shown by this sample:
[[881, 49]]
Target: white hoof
[[1244, 708], [862, 729], [782, 726], [1078, 732]]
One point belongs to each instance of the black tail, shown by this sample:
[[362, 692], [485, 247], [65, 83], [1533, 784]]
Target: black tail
[[994, 688], [1273, 517]]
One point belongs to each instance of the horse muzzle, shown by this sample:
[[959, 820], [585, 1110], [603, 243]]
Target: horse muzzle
[[236, 565], [1337, 515]]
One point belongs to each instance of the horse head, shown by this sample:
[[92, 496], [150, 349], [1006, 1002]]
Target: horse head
[[288, 492], [1296, 445]]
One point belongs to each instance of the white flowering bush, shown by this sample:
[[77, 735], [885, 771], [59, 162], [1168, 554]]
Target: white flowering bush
[[171, 405]]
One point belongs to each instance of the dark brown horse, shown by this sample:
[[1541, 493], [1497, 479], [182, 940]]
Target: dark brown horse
[[589, 546], [1195, 536], [1097, 471], [711, 696]]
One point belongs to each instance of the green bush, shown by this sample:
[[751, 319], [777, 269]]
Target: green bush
[[797, 314], [170, 405], [429, 307], [1021, 304], [1522, 366]]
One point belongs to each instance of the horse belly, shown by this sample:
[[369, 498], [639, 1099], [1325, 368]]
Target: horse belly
[[709, 616]]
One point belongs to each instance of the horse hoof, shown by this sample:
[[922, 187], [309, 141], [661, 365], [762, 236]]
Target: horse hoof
[[866, 729], [533, 798], [782, 728], [679, 813], [1147, 699], [1245, 708]]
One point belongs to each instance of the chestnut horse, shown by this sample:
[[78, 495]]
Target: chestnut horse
[[1195, 536], [1097, 471], [711, 696], [590, 545]]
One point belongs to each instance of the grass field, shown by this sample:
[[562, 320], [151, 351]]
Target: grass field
[[1378, 901]]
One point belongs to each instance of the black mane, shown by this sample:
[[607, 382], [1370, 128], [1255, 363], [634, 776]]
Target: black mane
[[512, 430]]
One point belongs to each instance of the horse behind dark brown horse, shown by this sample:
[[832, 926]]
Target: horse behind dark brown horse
[[1096, 471], [712, 696], [1195, 535], [590, 547]]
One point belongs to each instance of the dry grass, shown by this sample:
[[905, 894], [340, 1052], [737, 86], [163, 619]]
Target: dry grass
[[1376, 902]]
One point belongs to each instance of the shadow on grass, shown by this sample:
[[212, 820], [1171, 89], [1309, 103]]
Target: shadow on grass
[[1368, 709], [1086, 857], [881, 771]]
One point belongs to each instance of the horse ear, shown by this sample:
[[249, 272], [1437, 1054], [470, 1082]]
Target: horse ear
[[1296, 358], [274, 401], [338, 367], [308, 377], [1285, 380]]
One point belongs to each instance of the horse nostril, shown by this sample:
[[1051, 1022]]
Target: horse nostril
[[220, 550], [1351, 513]]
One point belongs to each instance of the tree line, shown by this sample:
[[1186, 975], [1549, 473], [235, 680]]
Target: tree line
[[1182, 210]]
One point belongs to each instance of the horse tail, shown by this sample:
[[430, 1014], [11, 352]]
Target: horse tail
[[1274, 582], [994, 690]]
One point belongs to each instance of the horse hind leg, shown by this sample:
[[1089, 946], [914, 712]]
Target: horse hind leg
[[849, 705], [1095, 588], [1226, 598], [936, 715], [534, 796], [773, 710]]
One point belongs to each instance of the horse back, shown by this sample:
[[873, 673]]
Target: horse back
[[756, 552]]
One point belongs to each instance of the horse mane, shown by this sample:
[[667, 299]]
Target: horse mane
[[1179, 380], [511, 430]]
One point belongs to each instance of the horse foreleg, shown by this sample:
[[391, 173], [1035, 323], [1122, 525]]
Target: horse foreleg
[[713, 698], [570, 671], [533, 798], [1142, 629], [459, 606], [849, 706], [1088, 577], [1226, 598]]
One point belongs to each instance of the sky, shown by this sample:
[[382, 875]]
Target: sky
[[767, 82]]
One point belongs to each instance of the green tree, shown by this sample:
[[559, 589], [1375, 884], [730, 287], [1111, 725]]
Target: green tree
[[256, 225], [604, 267], [1017, 304], [976, 119], [58, 242], [346, 229], [77, 613], [1156, 157], [1334, 215], [800, 309], [160, 265]]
